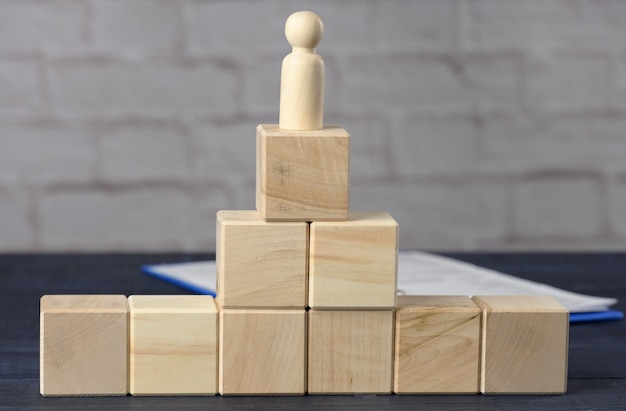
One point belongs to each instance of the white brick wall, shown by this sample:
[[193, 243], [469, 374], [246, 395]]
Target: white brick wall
[[479, 124]]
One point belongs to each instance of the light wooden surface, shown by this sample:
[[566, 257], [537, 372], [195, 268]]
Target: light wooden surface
[[350, 351], [173, 345], [262, 352], [354, 263], [260, 264], [302, 75], [437, 342], [83, 345], [302, 175], [524, 345]]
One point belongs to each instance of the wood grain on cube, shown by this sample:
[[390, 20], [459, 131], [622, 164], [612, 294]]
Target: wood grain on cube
[[524, 345], [350, 351], [260, 264], [302, 175], [83, 345], [262, 352], [436, 345], [173, 345], [354, 263]]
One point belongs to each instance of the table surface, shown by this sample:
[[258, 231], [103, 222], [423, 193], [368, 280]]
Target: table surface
[[597, 362]]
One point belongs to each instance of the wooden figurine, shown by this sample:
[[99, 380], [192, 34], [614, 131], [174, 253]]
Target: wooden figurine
[[83, 345], [524, 345], [173, 345], [350, 351], [302, 75], [354, 263], [436, 345], [260, 264], [262, 352], [302, 175]]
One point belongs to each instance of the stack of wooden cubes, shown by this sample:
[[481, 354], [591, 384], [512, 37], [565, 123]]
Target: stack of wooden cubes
[[304, 271], [306, 295]]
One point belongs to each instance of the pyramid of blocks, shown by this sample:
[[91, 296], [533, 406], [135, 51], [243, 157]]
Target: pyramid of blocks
[[306, 294], [306, 287]]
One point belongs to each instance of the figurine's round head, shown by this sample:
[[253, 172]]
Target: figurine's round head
[[304, 29]]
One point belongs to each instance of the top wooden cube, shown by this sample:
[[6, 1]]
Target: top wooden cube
[[302, 175]]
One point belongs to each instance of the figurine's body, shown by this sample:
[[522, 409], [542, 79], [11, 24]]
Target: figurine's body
[[302, 75]]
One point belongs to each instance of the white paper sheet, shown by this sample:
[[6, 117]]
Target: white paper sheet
[[423, 274]]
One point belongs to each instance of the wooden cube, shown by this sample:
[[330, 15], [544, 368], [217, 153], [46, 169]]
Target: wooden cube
[[302, 175], [354, 263], [173, 345], [350, 351], [262, 352], [524, 345], [83, 345], [260, 264], [436, 345]]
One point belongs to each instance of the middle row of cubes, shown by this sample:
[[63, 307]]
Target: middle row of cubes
[[323, 264]]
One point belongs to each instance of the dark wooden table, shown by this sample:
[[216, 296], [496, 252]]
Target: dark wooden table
[[597, 359]]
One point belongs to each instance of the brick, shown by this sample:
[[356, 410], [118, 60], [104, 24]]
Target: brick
[[427, 145], [141, 26], [354, 263], [565, 207], [407, 25], [493, 81], [451, 214], [135, 219], [114, 87], [16, 221], [260, 264], [617, 207], [403, 80], [173, 345], [621, 83], [84, 345], [224, 151], [39, 25], [350, 351], [262, 352], [20, 87], [432, 82], [591, 143], [437, 341], [569, 82], [261, 79], [577, 23], [149, 152], [524, 345], [46, 152], [252, 26]]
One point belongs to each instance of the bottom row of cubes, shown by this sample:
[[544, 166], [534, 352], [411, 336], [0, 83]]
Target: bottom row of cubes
[[185, 345]]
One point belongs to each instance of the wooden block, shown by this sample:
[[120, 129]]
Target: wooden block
[[173, 345], [354, 263], [83, 345], [260, 264], [302, 175], [437, 342], [524, 345], [350, 351], [262, 352]]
